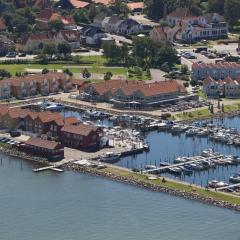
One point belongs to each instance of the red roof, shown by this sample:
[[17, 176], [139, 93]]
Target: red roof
[[38, 142], [82, 129], [135, 5], [79, 4], [220, 65], [147, 89]]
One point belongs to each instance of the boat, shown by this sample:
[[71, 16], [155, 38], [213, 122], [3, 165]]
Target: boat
[[185, 170], [235, 178], [217, 184], [175, 170], [110, 157], [150, 167], [146, 147]]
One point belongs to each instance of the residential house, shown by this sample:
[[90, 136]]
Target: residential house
[[82, 136], [43, 148], [161, 34], [129, 26], [36, 41], [207, 26], [47, 15], [201, 71], [91, 35], [77, 4], [228, 87], [5, 89], [69, 36]]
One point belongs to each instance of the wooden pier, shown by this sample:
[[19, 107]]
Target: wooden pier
[[228, 187], [181, 164]]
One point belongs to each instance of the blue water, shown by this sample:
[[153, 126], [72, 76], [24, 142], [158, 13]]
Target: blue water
[[166, 147], [72, 206]]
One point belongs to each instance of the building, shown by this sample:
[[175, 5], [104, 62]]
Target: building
[[43, 148], [83, 136], [91, 35], [77, 4], [191, 27], [129, 26], [48, 15], [69, 36], [35, 85], [162, 34], [228, 88], [217, 71], [135, 94]]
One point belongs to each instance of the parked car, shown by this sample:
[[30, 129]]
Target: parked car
[[15, 134], [22, 54], [11, 55]]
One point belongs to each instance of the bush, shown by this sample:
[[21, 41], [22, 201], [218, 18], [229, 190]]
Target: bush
[[166, 116]]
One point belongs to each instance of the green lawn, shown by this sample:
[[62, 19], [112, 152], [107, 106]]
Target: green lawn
[[194, 114], [174, 185], [231, 108], [201, 94]]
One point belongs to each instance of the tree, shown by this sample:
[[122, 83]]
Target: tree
[[81, 16], [42, 58], [49, 49], [108, 76], [112, 52], [4, 73], [216, 6], [64, 49], [45, 71], [119, 7], [184, 69], [68, 72], [231, 11], [86, 74], [55, 26], [154, 8]]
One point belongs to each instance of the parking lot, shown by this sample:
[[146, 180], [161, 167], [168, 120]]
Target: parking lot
[[183, 106]]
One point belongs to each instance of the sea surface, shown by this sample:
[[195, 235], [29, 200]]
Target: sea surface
[[73, 206]]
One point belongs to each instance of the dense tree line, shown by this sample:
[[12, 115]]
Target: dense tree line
[[145, 53]]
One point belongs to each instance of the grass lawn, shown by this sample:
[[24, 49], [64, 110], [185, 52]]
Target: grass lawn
[[231, 108], [201, 94], [194, 114], [174, 185]]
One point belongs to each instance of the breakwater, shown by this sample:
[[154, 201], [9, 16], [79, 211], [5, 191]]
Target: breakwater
[[146, 184]]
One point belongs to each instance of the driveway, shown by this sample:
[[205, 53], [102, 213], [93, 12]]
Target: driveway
[[157, 75]]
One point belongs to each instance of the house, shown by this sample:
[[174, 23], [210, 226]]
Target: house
[[70, 36], [98, 20], [111, 24], [47, 15], [103, 2], [74, 4], [5, 89], [6, 45], [135, 6], [43, 148], [207, 26], [161, 34], [36, 41], [91, 35], [35, 85], [82, 136], [201, 71], [228, 87], [135, 94], [129, 26]]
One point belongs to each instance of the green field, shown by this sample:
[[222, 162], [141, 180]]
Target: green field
[[194, 114]]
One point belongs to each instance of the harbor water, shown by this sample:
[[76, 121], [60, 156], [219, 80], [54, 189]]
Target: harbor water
[[165, 147], [73, 206]]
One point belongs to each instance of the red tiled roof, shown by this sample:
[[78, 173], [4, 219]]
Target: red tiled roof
[[181, 13], [208, 80], [147, 89], [38, 142], [71, 120], [135, 5], [82, 129], [79, 4]]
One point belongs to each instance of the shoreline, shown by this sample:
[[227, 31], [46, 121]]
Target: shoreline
[[122, 175], [140, 181]]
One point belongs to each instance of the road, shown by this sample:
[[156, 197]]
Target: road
[[120, 39]]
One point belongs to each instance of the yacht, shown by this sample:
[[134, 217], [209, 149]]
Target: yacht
[[235, 178], [110, 157]]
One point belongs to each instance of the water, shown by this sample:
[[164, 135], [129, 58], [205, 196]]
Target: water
[[166, 147], [72, 206]]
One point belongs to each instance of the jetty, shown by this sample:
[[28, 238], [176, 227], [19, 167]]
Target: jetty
[[180, 164], [228, 187]]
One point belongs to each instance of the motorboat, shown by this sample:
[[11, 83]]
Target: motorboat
[[110, 157], [217, 184], [235, 178], [175, 170]]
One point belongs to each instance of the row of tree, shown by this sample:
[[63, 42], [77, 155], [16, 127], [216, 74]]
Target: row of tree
[[145, 53]]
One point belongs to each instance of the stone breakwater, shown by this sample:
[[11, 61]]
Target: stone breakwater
[[153, 187]]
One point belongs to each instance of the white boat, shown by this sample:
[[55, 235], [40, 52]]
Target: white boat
[[110, 157], [150, 167]]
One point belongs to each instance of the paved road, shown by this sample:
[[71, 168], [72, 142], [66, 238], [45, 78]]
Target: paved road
[[157, 75], [120, 39]]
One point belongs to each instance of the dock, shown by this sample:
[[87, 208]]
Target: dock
[[180, 164], [228, 187], [47, 168]]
